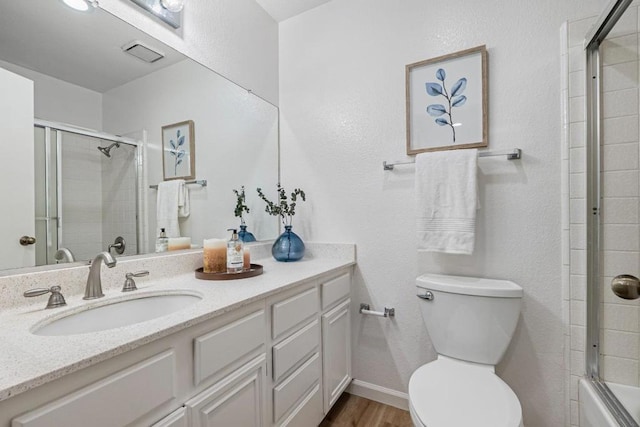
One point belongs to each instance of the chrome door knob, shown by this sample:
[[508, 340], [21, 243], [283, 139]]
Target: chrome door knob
[[626, 286]]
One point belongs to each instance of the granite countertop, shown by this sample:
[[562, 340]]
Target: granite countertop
[[30, 360]]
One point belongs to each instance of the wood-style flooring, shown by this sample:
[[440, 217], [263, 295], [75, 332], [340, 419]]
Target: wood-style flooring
[[355, 411]]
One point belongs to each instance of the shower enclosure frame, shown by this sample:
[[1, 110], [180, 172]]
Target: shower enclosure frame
[[50, 126], [595, 36]]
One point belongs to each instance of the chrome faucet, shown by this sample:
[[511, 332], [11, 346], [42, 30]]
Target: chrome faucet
[[94, 284], [63, 254]]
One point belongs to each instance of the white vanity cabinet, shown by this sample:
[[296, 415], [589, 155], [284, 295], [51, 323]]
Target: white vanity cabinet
[[336, 338], [279, 361]]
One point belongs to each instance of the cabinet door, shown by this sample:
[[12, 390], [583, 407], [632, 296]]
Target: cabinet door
[[336, 353], [236, 400], [177, 418]]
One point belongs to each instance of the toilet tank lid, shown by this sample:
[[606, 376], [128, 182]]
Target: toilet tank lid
[[470, 285]]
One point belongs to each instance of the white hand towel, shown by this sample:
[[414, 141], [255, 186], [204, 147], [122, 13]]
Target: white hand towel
[[183, 201], [171, 199], [447, 199]]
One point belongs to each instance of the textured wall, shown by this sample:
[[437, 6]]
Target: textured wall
[[238, 39], [342, 105]]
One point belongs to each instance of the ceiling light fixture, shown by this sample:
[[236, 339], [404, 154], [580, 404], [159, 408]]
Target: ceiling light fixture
[[172, 5], [81, 5]]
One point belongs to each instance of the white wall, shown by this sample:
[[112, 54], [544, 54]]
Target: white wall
[[342, 104], [60, 101], [238, 39]]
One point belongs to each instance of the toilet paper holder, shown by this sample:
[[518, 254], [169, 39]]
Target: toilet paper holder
[[366, 309]]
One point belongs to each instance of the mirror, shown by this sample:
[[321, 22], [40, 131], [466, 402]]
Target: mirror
[[90, 93]]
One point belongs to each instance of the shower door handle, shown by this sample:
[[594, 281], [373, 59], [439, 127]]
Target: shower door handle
[[27, 240], [626, 286]]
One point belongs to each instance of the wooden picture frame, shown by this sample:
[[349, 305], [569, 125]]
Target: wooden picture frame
[[447, 102], [179, 151]]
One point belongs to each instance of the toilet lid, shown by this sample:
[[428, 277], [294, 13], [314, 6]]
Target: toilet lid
[[449, 393]]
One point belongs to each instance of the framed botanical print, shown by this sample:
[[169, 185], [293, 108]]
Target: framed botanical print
[[447, 102], [178, 151]]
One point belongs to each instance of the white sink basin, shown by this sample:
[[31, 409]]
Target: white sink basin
[[117, 314]]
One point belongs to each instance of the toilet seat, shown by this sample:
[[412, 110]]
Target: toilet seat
[[453, 393]]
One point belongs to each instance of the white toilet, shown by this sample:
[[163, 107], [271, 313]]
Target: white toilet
[[470, 322]]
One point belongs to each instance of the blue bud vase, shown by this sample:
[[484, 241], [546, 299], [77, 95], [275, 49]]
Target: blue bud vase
[[246, 236], [288, 247]]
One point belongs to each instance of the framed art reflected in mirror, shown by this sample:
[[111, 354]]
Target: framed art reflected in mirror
[[178, 151]]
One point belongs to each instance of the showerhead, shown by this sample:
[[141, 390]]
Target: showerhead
[[106, 150]]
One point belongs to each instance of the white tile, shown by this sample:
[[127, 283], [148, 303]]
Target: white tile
[[577, 110], [627, 24], [577, 31], [620, 210], [621, 344], [577, 84], [565, 283], [621, 183], [619, 370], [620, 157], [577, 160], [577, 59], [619, 103], [619, 76], [619, 262], [578, 337], [577, 362], [619, 49], [621, 237], [577, 186], [575, 413], [578, 261], [616, 130], [577, 211], [578, 313], [577, 135], [574, 381], [578, 287], [578, 237], [620, 317]]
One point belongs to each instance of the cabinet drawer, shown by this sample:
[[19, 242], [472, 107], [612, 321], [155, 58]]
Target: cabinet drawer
[[293, 311], [295, 386], [224, 346], [292, 350], [308, 413], [335, 290], [117, 400]]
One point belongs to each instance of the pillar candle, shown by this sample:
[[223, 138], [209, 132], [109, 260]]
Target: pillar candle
[[177, 243], [215, 256]]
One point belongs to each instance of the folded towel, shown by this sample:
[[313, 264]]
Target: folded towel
[[447, 199], [173, 202]]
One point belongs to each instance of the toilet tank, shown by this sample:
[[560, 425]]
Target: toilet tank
[[469, 318]]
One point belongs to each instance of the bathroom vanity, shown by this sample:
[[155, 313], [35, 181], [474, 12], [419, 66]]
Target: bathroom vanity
[[262, 351]]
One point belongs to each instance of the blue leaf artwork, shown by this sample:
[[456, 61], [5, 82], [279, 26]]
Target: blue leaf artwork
[[454, 99], [177, 152]]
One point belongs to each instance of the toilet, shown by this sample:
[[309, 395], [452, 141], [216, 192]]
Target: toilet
[[471, 322]]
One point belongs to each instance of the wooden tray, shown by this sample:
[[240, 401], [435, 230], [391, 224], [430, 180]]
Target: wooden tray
[[255, 270]]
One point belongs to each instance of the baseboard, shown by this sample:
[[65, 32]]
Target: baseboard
[[379, 394]]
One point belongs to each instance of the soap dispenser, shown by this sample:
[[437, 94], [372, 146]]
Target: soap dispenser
[[162, 243], [235, 253]]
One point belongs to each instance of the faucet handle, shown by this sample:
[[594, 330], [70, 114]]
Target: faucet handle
[[55, 300], [129, 283]]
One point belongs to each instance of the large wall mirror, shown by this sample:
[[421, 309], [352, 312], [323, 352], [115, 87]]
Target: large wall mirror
[[89, 169]]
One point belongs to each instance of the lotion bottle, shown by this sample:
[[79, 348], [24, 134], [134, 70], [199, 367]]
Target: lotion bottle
[[162, 243], [235, 253]]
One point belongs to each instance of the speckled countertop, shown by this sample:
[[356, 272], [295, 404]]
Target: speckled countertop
[[30, 360]]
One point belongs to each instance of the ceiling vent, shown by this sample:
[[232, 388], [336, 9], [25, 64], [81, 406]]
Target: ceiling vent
[[143, 52]]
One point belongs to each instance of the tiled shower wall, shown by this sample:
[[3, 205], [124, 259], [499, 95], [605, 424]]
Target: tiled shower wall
[[619, 337]]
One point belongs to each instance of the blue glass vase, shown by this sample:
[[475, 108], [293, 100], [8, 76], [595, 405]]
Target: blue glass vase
[[288, 247], [246, 236]]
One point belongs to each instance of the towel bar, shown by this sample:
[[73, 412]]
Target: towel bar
[[202, 182], [513, 154]]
